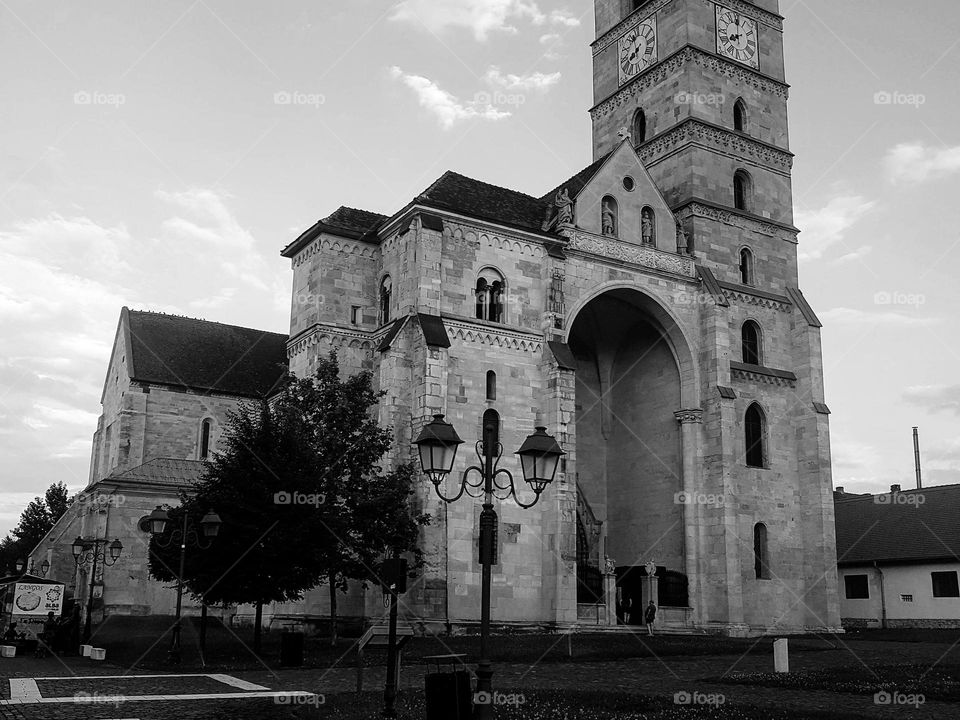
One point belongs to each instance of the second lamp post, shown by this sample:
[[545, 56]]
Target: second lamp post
[[539, 457]]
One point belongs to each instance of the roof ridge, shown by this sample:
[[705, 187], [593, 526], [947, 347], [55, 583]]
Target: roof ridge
[[480, 182], [158, 313]]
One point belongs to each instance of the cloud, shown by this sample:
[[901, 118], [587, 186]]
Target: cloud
[[530, 81], [857, 254], [481, 17], [850, 316], [447, 108], [827, 226], [914, 163], [934, 397]]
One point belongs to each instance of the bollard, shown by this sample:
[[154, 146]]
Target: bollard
[[781, 656]]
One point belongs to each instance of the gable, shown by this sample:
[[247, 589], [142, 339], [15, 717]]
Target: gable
[[608, 180]]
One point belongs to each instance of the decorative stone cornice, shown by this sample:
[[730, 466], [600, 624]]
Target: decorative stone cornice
[[745, 297], [758, 374], [685, 417], [338, 246], [628, 23], [337, 337], [644, 256], [659, 73], [484, 335], [475, 234], [738, 220], [716, 138], [751, 11]]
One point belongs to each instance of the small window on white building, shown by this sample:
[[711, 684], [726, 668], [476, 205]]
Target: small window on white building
[[906, 598], [857, 587], [945, 584]]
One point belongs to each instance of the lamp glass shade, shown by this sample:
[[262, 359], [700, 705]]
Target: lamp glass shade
[[44, 566], [437, 445], [77, 546], [539, 456], [158, 521], [116, 547], [20, 565], [210, 524]]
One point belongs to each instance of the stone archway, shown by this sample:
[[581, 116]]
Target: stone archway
[[635, 370]]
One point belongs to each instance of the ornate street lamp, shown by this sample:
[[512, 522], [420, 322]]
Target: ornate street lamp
[[157, 523], [539, 456], [93, 552], [40, 571]]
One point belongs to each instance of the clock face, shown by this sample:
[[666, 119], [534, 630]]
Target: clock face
[[638, 49], [737, 37]]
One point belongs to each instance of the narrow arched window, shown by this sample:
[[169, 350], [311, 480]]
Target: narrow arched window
[[648, 226], [491, 385], [750, 336], [488, 293], [386, 292], [740, 116], [761, 558], [753, 430], [741, 190], [205, 428], [609, 220], [639, 128], [746, 267]]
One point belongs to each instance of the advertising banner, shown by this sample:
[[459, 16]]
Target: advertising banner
[[37, 599]]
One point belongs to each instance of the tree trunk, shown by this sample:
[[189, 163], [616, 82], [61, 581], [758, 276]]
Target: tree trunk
[[333, 609], [257, 626]]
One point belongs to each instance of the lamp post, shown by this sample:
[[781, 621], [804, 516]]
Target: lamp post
[[34, 570], [185, 535], [93, 551], [539, 457]]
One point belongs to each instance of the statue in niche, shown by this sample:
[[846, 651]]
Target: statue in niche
[[610, 566], [609, 218], [564, 207], [647, 228], [682, 240]]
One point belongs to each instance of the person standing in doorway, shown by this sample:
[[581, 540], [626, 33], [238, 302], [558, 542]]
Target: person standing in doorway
[[649, 615]]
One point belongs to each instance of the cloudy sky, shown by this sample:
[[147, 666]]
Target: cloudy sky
[[159, 155]]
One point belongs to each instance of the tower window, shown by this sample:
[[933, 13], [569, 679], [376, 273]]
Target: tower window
[[386, 292], [609, 216], [740, 116], [750, 335], [761, 558], [491, 385], [489, 293], [741, 190], [754, 426], [205, 427], [648, 226], [746, 267], [639, 127]]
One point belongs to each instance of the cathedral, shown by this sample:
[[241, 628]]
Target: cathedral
[[647, 311]]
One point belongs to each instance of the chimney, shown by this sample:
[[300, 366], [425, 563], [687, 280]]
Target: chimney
[[839, 490], [894, 488], [916, 456]]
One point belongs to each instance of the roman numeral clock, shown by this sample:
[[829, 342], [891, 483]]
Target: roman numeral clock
[[638, 49], [737, 37]]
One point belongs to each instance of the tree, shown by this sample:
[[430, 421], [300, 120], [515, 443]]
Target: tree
[[36, 520], [58, 500]]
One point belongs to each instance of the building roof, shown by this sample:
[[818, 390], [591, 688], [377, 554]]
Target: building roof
[[578, 182], [908, 526], [484, 201], [202, 355], [344, 221], [162, 471]]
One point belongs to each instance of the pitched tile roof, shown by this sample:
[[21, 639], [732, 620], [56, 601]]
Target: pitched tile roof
[[913, 525], [344, 221], [481, 200], [576, 183], [202, 355], [162, 471]]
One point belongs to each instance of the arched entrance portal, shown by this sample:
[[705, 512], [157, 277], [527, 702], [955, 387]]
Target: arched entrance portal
[[632, 367]]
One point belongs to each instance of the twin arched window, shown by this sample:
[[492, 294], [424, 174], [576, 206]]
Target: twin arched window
[[386, 293], [746, 267], [751, 345], [754, 430], [489, 293], [761, 557], [742, 190]]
